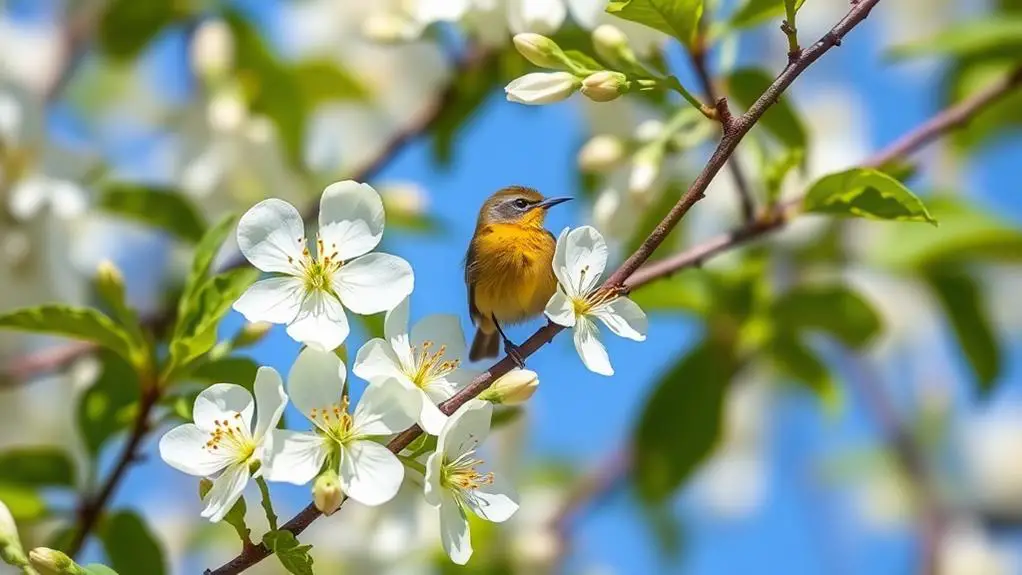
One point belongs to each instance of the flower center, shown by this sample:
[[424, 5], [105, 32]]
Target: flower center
[[461, 473], [428, 367], [231, 436], [586, 304], [334, 420], [318, 271]]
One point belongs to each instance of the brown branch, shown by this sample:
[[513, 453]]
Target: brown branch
[[734, 130]]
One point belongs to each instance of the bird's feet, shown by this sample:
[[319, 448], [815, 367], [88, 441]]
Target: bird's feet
[[514, 353]]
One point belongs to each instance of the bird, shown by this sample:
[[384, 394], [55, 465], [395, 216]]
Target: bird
[[508, 267]]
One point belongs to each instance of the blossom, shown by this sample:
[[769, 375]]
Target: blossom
[[453, 485], [579, 260], [542, 88], [223, 438], [309, 291], [604, 86], [513, 388], [30, 195], [426, 361], [368, 472]]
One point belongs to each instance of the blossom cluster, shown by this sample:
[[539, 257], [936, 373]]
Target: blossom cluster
[[234, 437]]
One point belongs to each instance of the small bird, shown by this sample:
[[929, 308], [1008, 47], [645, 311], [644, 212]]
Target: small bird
[[508, 269]]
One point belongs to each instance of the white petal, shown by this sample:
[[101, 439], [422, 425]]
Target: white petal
[[350, 219], [395, 329], [585, 258], [385, 408], [222, 401], [434, 492], [27, 197], [444, 330], [316, 381], [270, 233], [275, 300], [376, 361], [624, 317], [454, 533], [183, 448], [430, 418], [465, 429], [495, 502], [295, 457], [270, 401], [560, 265], [540, 16], [225, 491], [373, 283], [320, 322], [429, 11], [560, 309], [592, 352], [454, 382], [585, 12], [370, 473], [67, 199]]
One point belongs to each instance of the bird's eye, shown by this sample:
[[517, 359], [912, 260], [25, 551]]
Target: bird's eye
[[521, 204]]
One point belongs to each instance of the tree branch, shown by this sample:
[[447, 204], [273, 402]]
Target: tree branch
[[734, 131]]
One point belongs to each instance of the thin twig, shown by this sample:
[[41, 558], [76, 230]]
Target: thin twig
[[734, 130]]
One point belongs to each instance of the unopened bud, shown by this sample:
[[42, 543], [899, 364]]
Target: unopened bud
[[110, 283], [52, 562], [541, 88], [404, 199], [251, 334], [513, 388], [10, 545], [605, 85], [601, 153], [540, 50], [212, 49], [611, 44], [326, 492], [645, 169]]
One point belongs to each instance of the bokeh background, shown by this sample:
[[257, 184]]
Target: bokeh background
[[99, 99]]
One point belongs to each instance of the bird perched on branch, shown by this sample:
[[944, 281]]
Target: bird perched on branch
[[508, 269]]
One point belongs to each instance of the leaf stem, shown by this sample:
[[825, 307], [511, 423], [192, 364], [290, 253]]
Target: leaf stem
[[267, 503], [789, 29], [675, 84]]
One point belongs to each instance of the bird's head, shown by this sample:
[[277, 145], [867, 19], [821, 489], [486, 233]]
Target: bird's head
[[517, 205]]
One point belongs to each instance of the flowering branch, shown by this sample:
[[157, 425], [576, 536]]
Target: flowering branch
[[735, 129]]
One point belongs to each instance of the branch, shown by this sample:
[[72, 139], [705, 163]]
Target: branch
[[734, 130]]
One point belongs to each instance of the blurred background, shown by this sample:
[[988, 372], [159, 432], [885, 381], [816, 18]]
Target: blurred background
[[885, 439]]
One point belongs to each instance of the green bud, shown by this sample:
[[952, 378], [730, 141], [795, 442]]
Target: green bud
[[605, 85], [513, 388], [541, 51], [326, 492], [52, 562], [110, 283], [11, 551]]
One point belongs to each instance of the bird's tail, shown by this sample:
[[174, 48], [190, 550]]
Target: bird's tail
[[484, 345]]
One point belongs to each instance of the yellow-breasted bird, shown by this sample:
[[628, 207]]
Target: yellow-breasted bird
[[508, 269]]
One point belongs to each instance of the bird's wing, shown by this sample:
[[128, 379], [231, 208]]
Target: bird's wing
[[470, 262]]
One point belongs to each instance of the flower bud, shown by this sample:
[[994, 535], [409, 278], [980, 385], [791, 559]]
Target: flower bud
[[541, 88], [52, 562], [326, 492], [645, 169], [212, 49], [605, 85], [513, 388], [540, 50], [251, 334], [611, 45], [10, 545], [601, 153], [110, 283]]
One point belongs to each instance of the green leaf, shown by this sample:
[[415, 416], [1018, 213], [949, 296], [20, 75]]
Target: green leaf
[[110, 285], [865, 193], [966, 310], [85, 324], [36, 467], [746, 85], [684, 292], [205, 253], [995, 37], [162, 208], [127, 26], [678, 18], [326, 81], [756, 12], [833, 309], [584, 60], [98, 569], [108, 406], [795, 360], [681, 421], [24, 503], [130, 546], [292, 555], [775, 172], [237, 370]]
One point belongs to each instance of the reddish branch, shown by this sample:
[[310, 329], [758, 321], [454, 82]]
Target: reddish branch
[[735, 129]]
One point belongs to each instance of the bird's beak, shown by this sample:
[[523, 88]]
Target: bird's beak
[[551, 202]]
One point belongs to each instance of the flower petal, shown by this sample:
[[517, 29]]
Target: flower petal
[[270, 401], [454, 533], [430, 418], [395, 329], [540, 16], [183, 448], [585, 257], [373, 283], [560, 309], [276, 300], [586, 12], [271, 236], [624, 317], [444, 331], [592, 352], [225, 491], [495, 502], [376, 361], [370, 473], [316, 381], [222, 401], [385, 408], [295, 457], [320, 322], [433, 489], [350, 219], [465, 429]]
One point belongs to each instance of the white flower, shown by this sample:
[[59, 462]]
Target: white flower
[[308, 294], [11, 116], [453, 484], [29, 196], [212, 48], [224, 439], [542, 88], [579, 261], [369, 473], [426, 361]]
